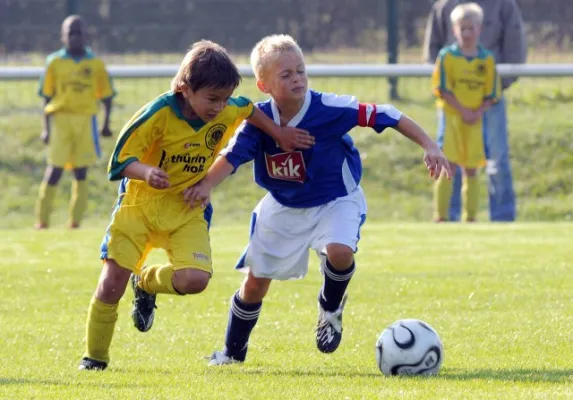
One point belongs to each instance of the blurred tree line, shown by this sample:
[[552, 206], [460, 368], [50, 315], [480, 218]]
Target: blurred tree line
[[165, 26]]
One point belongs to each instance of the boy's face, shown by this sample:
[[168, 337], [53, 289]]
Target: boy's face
[[285, 79], [467, 32], [207, 102], [74, 35]]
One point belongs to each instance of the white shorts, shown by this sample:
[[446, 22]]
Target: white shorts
[[281, 236]]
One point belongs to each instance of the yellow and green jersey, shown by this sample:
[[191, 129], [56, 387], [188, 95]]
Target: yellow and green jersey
[[470, 79], [160, 135], [74, 85]]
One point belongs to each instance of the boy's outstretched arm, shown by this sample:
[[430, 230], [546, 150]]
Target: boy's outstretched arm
[[287, 137], [434, 159], [201, 192]]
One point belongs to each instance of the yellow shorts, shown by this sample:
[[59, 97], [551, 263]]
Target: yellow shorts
[[143, 221], [461, 143], [74, 140]]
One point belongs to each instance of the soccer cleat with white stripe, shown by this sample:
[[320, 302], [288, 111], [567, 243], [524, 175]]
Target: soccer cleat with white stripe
[[329, 328], [143, 312]]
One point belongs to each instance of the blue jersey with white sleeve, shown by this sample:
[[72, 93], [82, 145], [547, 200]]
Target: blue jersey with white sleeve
[[327, 171]]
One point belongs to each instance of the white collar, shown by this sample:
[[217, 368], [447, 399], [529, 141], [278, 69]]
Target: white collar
[[298, 117]]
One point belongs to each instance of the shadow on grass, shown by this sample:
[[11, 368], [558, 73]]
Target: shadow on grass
[[510, 375], [506, 375], [45, 382]]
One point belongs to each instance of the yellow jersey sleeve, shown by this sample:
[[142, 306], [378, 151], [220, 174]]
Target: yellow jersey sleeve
[[47, 87], [245, 108], [493, 82], [441, 80], [104, 85], [136, 139]]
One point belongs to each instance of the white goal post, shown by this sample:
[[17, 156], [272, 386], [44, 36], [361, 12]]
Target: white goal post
[[324, 70]]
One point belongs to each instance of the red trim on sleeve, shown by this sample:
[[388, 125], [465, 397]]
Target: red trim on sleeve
[[362, 115], [372, 119]]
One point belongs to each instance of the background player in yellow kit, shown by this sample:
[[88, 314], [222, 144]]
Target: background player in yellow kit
[[466, 83], [73, 84], [166, 147]]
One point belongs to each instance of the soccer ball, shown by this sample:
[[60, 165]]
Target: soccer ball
[[409, 347]]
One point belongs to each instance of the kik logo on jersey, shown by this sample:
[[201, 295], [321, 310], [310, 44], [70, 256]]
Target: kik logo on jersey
[[286, 166]]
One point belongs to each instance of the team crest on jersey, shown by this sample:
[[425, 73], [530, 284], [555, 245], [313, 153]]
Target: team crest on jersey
[[286, 166], [214, 136], [480, 70], [85, 72]]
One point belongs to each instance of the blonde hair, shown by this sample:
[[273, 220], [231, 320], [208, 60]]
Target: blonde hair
[[268, 49], [467, 11], [206, 64]]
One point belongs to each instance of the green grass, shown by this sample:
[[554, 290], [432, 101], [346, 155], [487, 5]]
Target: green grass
[[394, 179], [499, 295]]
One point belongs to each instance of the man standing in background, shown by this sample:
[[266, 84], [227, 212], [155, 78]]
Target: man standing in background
[[503, 33]]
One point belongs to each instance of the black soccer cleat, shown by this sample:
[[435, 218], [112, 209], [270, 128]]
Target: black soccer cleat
[[89, 364], [329, 328], [143, 311]]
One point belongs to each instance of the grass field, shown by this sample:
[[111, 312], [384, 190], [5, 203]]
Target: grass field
[[394, 179], [499, 295]]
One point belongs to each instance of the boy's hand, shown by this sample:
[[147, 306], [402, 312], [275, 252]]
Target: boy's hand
[[157, 178], [436, 162], [197, 194], [45, 136], [294, 138], [469, 116], [106, 132]]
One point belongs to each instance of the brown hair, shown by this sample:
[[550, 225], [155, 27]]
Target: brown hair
[[206, 64]]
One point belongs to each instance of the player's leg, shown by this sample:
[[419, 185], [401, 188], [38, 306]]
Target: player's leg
[[58, 154], [83, 155], [46, 195], [102, 315], [470, 194], [475, 151], [79, 199], [442, 195], [336, 239], [244, 313], [188, 272], [448, 139], [122, 248], [277, 250]]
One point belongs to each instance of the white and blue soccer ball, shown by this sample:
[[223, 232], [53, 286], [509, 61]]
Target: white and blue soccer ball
[[409, 347]]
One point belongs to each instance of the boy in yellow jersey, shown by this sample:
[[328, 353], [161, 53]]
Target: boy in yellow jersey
[[166, 147], [73, 84], [466, 84]]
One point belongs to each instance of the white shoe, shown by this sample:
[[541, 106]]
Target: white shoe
[[329, 328], [220, 358]]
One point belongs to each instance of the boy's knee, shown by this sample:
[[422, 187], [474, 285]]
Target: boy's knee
[[340, 256], [80, 174], [254, 289], [112, 282], [190, 281], [53, 174]]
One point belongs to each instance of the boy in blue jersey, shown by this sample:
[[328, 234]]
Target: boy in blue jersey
[[314, 198]]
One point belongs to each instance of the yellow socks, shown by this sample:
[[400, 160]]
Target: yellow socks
[[99, 329], [157, 279], [79, 201], [470, 197], [45, 202], [442, 195]]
